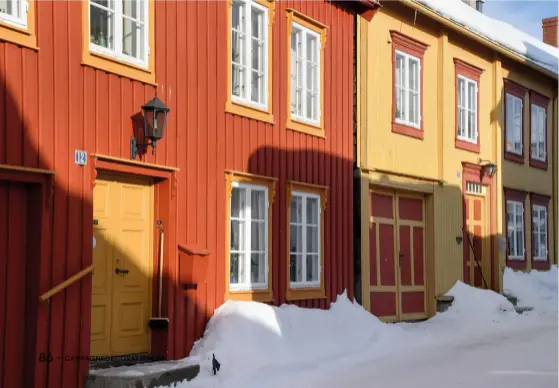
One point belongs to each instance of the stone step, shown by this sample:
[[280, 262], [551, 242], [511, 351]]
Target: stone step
[[522, 309], [444, 302], [145, 375], [511, 298]]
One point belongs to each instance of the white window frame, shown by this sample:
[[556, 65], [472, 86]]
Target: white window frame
[[467, 110], [535, 137], [511, 127], [406, 88], [537, 209], [304, 31], [516, 205], [117, 53], [247, 66], [248, 285], [13, 20], [304, 224]]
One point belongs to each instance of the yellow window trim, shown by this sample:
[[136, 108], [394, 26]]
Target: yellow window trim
[[269, 182], [321, 29], [305, 293], [113, 65], [238, 108], [25, 37]]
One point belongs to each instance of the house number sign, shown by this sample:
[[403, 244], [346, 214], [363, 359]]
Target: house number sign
[[80, 158]]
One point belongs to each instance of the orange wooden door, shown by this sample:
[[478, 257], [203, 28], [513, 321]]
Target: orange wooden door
[[122, 281], [396, 263], [476, 249]]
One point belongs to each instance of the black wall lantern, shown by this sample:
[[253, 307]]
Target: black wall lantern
[[488, 167], [155, 118]]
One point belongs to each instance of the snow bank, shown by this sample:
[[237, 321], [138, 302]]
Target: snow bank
[[247, 336], [535, 289], [497, 31]]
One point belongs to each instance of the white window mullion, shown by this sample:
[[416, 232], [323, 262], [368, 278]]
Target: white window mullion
[[405, 87], [248, 237], [304, 243], [304, 60]]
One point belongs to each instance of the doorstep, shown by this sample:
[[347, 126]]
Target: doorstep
[[144, 375]]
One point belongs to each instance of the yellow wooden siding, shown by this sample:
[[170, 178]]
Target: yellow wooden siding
[[401, 162]]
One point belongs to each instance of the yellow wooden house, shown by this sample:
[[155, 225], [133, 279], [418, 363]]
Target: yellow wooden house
[[456, 158]]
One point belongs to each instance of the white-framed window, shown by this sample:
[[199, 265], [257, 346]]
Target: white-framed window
[[537, 127], [515, 229], [249, 53], [514, 141], [539, 232], [408, 89], [305, 74], [467, 109], [120, 29], [14, 12], [249, 237], [304, 240]]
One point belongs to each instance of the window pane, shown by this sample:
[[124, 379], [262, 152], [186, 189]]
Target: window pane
[[236, 268], [11, 7], [399, 70], [312, 211], [257, 268], [471, 95], [257, 23], [258, 236], [413, 75], [237, 235], [134, 9], [296, 238], [310, 105], [296, 209], [312, 268], [412, 107], [101, 27], [471, 125], [237, 50], [295, 268], [238, 198], [258, 204], [312, 239], [294, 69], [133, 39], [511, 243]]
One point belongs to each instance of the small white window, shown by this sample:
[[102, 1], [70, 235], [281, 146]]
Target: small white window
[[513, 124], [537, 125], [304, 241], [249, 53], [119, 29], [467, 110], [305, 74], [407, 89], [515, 229], [539, 232], [249, 237], [14, 12]]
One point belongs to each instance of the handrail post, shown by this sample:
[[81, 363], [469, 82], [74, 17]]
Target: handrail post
[[71, 280]]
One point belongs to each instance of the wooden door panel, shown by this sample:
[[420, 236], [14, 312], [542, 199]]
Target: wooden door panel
[[404, 259], [383, 304], [373, 273], [474, 258], [413, 302], [386, 251], [418, 257]]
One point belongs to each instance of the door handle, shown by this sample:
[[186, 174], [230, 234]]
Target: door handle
[[400, 256], [119, 271]]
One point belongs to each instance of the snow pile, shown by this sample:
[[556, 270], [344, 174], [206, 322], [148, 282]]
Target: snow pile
[[534, 289], [497, 31], [248, 336]]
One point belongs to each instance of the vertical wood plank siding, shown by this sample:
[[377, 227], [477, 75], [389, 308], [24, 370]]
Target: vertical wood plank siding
[[51, 105]]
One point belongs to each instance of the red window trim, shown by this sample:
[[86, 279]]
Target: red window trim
[[542, 101], [518, 196], [541, 200], [474, 73], [520, 92], [417, 49]]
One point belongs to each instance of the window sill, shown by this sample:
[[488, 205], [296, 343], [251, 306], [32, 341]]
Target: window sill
[[113, 65], [252, 295], [305, 293], [407, 130], [309, 129], [541, 265], [467, 146], [516, 263], [538, 164], [18, 35], [514, 157], [249, 112]]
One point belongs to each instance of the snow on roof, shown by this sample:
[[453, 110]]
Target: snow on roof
[[501, 33]]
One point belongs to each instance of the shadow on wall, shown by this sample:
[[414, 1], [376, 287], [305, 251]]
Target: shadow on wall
[[46, 236]]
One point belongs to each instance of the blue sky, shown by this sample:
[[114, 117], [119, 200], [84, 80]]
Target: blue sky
[[525, 15]]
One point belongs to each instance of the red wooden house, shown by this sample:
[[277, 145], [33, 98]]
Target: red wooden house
[[248, 195]]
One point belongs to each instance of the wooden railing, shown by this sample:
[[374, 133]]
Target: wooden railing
[[67, 282]]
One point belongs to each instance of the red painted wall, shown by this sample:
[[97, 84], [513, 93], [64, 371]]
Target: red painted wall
[[51, 105]]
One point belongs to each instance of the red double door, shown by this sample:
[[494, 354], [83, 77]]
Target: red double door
[[396, 263]]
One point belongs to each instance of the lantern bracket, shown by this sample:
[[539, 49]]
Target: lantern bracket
[[135, 147]]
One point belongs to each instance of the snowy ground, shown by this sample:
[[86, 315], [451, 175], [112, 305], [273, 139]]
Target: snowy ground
[[480, 341]]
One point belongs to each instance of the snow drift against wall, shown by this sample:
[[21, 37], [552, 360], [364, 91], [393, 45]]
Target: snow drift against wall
[[497, 31], [534, 289]]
